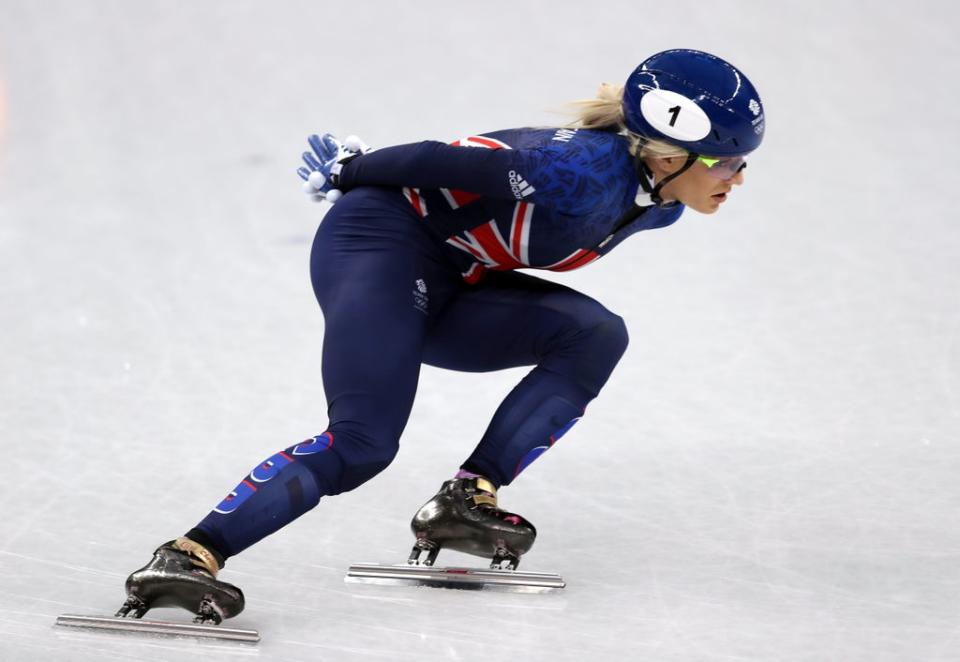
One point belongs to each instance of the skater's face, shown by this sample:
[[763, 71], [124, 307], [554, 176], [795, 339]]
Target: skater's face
[[703, 187]]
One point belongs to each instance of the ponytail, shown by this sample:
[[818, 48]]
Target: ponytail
[[605, 113]]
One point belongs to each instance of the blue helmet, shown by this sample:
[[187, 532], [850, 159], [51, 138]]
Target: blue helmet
[[696, 101]]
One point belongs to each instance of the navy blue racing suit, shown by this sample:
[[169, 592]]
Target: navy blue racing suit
[[417, 264]]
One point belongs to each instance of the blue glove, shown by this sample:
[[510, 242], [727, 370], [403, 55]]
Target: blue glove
[[324, 162]]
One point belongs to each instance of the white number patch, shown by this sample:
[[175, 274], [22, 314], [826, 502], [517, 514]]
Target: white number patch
[[674, 115]]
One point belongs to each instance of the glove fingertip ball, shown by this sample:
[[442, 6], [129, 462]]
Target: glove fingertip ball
[[316, 180], [333, 195]]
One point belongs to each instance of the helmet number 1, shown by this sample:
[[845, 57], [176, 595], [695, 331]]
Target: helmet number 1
[[675, 113], [674, 116]]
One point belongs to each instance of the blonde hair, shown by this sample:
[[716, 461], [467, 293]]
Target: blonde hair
[[605, 113]]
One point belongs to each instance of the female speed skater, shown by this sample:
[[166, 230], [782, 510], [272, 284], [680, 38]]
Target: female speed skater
[[416, 264]]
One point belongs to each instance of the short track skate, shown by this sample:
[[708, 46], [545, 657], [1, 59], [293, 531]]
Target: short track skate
[[464, 516], [181, 574]]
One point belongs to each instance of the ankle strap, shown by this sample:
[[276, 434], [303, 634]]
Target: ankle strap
[[486, 486], [199, 555]]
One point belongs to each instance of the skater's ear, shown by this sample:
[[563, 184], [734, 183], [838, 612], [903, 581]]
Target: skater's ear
[[662, 167]]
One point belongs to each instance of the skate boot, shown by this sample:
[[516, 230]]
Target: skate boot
[[464, 516], [183, 574]]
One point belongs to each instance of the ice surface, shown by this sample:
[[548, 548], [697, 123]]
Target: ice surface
[[771, 474]]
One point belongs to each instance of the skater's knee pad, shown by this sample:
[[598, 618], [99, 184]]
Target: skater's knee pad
[[589, 354], [607, 340], [362, 456], [614, 336], [357, 473]]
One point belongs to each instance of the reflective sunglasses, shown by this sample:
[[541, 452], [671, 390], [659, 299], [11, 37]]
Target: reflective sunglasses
[[723, 168]]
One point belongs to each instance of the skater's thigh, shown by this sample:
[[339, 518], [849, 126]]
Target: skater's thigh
[[511, 319], [365, 265]]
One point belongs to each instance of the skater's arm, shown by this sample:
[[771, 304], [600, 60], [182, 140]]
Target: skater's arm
[[536, 175]]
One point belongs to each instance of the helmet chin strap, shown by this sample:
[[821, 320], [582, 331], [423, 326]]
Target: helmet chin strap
[[646, 178]]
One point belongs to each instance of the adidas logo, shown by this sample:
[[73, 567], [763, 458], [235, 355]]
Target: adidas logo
[[519, 185]]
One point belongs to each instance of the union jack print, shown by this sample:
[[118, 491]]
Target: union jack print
[[454, 197], [488, 246], [485, 243], [414, 198], [457, 198]]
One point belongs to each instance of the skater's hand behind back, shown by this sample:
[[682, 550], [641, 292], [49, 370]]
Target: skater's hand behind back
[[324, 162]]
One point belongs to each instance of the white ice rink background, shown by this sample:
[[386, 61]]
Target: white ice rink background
[[772, 473]]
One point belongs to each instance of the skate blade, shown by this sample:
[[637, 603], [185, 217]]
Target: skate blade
[[470, 578], [120, 624]]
